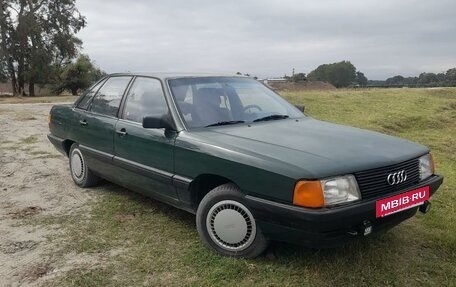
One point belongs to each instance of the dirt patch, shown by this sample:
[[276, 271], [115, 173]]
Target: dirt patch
[[37, 271], [14, 247], [34, 185], [26, 212], [122, 217]]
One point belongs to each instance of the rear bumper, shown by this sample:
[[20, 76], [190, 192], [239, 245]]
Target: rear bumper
[[326, 227], [58, 143]]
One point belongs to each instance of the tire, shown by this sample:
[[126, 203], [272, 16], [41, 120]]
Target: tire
[[227, 226], [79, 170]]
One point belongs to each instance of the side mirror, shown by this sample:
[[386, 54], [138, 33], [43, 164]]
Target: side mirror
[[302, 108], [163, 122]]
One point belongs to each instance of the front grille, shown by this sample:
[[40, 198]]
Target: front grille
[[373, 183]]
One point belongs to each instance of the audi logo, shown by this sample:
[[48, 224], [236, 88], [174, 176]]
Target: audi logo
[[397, 177]]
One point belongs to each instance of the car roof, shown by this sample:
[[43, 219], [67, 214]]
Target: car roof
[[172, 75]]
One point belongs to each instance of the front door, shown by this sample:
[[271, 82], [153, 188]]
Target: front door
[[146, 155]]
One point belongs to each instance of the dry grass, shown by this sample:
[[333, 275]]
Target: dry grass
[[29, 100]]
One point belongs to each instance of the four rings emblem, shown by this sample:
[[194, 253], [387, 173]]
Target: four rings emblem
[[397, 177]]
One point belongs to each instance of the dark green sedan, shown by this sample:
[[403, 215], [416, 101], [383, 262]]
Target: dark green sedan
[[251, 166]]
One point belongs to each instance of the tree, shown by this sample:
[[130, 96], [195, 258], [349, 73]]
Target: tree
[[428, 79], [36, 35], [7, 47], [450, 77], [360, 79], [79, 75], [341, 74], [299, 77], [395, 81], [3, 69]]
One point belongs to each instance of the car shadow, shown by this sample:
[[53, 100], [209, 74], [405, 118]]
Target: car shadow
[[278, 252], [145, 203]]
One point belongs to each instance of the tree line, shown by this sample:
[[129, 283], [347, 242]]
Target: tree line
[[344, 74], [447, 79], [38, 46]]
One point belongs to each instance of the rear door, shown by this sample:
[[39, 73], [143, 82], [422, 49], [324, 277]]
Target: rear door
[[146, 155], [95, 125]]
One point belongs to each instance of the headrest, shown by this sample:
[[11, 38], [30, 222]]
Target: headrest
[[208, 95]]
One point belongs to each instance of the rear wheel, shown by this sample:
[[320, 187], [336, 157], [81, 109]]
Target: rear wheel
[[227, 226], [80, 172]]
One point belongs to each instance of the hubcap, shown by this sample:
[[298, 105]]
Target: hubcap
[[231, 225], [77, 164]]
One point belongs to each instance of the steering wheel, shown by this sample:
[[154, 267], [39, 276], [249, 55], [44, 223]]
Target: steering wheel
[[252, 107]]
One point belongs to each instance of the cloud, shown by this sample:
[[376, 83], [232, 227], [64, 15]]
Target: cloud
[[269, 38]]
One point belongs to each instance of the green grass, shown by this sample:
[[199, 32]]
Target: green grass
[[157, 245]]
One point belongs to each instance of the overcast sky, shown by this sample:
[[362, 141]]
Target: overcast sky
[[382, 38]]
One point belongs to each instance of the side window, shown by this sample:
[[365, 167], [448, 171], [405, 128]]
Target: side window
[[145, 98], [87, 97], [108, 98]]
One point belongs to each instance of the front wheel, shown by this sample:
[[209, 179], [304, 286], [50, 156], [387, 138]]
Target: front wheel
[[227, 226], [80, 172]]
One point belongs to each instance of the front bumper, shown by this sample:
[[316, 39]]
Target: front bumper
[[326, 227]]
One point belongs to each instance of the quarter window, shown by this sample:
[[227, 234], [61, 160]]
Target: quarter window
[[87, 97], [145, 98], [108, 98]]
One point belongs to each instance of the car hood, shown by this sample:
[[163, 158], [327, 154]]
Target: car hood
[[314, 149]]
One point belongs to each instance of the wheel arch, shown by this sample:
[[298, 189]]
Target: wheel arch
[[203, 184], [66, 145]]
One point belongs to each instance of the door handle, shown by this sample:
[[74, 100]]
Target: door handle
[[121, 132], [83, 122]]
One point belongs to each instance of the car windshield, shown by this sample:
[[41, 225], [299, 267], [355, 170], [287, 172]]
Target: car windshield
[[216, 101]]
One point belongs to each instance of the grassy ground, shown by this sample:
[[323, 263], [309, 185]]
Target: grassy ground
[[28, 100], [153, 244]]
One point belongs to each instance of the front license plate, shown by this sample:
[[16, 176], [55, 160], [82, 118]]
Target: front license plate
[[406, 200]]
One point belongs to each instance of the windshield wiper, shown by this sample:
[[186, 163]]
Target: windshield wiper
[[271, 117], [225, 123]]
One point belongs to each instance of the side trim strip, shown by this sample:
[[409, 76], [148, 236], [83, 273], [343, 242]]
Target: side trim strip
[[177, 181], [145, 170], [103, 156]]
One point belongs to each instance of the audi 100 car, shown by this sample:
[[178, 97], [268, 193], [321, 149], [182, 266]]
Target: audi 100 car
[[251, 166]]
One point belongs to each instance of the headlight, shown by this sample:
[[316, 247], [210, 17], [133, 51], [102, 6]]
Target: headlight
[[426, 166], [327, 192], [340, 189]]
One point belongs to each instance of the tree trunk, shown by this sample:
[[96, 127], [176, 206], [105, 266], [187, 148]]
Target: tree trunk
[[12, 74], [21, 78], [74, 91], [32, 87]]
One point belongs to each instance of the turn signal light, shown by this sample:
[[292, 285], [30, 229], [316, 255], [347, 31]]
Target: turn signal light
[[308, 194]]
